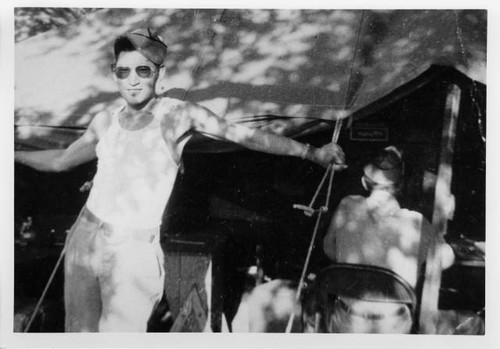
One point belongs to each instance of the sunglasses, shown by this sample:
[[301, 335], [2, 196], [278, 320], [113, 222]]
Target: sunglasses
[[142, 71]]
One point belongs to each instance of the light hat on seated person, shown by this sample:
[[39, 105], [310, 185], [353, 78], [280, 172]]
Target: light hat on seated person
[[149, 44], [386, 168]]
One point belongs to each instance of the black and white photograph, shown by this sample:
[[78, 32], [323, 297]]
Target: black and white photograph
[[312, 173]]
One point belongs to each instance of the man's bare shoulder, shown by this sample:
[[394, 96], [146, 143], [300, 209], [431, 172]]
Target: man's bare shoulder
[[166, 104], [180, 108], [410, 214], [351, 208], [172, 111], [351, 200], [415, 219], [101, 122], [104, 116], [351, 204]]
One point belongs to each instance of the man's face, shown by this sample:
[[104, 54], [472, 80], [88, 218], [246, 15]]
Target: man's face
[[136, 89]]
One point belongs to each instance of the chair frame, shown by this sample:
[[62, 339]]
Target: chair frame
[[383, 285]]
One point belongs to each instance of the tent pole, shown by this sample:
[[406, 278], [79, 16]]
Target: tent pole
[[443, 211]]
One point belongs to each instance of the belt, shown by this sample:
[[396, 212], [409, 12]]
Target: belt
[[370, 316], [147, 234]]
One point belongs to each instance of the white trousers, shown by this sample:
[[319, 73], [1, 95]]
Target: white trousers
[[113, 278]]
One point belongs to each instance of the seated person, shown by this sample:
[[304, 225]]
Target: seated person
[[376, 231]]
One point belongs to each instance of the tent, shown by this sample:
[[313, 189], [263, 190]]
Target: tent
[[242, 63], [245, 200]]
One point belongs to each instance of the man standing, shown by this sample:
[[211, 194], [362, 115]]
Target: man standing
[[113, 266], [377, 231]]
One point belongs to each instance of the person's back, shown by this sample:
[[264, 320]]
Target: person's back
[[377, 231]]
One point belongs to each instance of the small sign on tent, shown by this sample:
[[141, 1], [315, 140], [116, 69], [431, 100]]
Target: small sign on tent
[[369, 134]]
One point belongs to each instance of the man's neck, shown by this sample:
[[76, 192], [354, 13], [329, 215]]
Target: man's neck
[[382, 202], [134, 118], [137, 110]]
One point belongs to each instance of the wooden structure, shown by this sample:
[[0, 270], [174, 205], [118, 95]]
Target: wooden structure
[[193, 282]]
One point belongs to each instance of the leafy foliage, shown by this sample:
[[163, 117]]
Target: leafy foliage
[[31, 21]]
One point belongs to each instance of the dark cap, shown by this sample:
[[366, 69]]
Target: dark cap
[[386, 168], [149, 44]]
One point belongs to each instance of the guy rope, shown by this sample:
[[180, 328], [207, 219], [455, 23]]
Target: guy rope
[[310, 211]]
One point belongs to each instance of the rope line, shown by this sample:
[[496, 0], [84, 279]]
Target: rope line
[[44, 293], [335, 138], [329, 171], [474, 89], [348, 104], [51, 278], [201, 57], [308, 211], [304, 270]]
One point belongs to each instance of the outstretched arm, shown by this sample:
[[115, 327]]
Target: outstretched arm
[[58, 160], [206, 122]]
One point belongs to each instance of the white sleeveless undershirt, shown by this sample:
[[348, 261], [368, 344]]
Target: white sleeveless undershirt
[[135, 176]]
